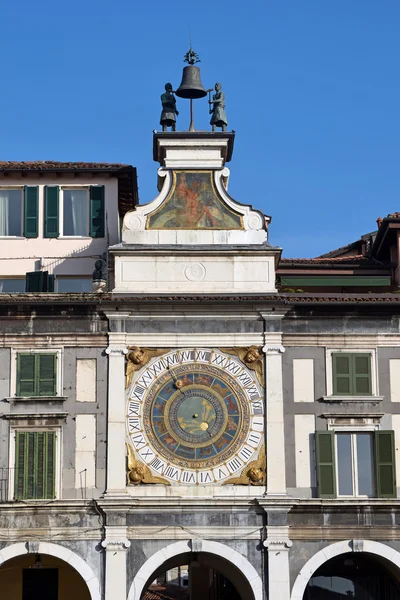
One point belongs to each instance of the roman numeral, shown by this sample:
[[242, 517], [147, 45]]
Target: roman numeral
[[134, 424], [188, 477], [234, 464], [157, 465], [133, 409], [245, 453], [172, 473], [138, 440]]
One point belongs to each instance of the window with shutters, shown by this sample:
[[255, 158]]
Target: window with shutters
[[36, 374], [356, 464], [74, 212], [35, 465], [351, 375]]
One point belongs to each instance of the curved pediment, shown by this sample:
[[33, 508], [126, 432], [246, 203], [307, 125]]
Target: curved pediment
[[194, 207]]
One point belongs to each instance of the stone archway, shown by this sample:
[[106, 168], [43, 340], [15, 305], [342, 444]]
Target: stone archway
[[347, 546], [155, 562], [65, 554]]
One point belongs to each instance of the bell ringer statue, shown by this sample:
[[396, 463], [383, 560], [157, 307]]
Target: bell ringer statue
[[218, 118], [169, 111]]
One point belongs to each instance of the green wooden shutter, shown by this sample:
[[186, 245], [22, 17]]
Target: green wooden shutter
[[31, 211], [362, 374], [325, 455], [341, 364], [51, 203], [35, 465], [385, 464], [34, 281], [96, 211], [19, 465], [50, 283], [26, 375], [46, 374]]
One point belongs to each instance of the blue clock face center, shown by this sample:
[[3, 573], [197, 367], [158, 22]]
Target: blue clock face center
[[196, 414]]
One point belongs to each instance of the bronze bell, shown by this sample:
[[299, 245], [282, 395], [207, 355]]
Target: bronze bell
[[191, 86]]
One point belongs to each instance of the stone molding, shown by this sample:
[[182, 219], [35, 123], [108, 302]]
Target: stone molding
[[342, 340], [197, 340], [156, 532], [56, 340]]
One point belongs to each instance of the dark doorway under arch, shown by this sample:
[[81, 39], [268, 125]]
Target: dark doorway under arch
[[34, 576], [355, 576], [209, 577]]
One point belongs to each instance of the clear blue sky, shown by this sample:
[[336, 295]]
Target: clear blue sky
[[312, 90]]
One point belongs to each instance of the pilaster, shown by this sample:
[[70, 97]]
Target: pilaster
[[116, 452], [275, 432], [278, 545], [116, 545]]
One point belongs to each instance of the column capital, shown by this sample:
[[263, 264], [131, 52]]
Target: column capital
[[277, 538], [116, 351], [273, 349], [116, 539], [116, 544]]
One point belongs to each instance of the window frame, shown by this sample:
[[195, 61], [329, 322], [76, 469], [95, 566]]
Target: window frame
[[19, 188], [12, 464], [354, 460], [329, 375], [69, 188], [59, 370], [6, 278], [66, 277]]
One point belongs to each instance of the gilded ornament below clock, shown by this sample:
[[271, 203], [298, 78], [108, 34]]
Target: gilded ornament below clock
[[253, 474], [138, 358], [252, 357], [139, 473]]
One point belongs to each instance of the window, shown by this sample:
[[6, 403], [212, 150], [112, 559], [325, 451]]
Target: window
[[74, 212], [74, 284], [355, 464], [36, 374], [34, 465], [12, 285], [10, 212], [351, 374], [19, 212]]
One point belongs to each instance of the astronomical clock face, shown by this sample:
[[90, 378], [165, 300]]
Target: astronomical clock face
[[196, 416]]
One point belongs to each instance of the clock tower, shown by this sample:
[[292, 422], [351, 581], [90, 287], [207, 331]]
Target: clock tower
[[195, 368]]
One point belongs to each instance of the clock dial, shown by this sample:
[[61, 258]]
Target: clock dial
[[196, 416]]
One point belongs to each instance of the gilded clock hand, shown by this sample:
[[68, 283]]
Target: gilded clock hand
[[178, 384]]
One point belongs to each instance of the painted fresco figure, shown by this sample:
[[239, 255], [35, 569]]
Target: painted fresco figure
[[169, 112], [218, 118]]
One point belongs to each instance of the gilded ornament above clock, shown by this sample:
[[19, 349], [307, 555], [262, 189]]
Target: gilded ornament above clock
[[195, 416]]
